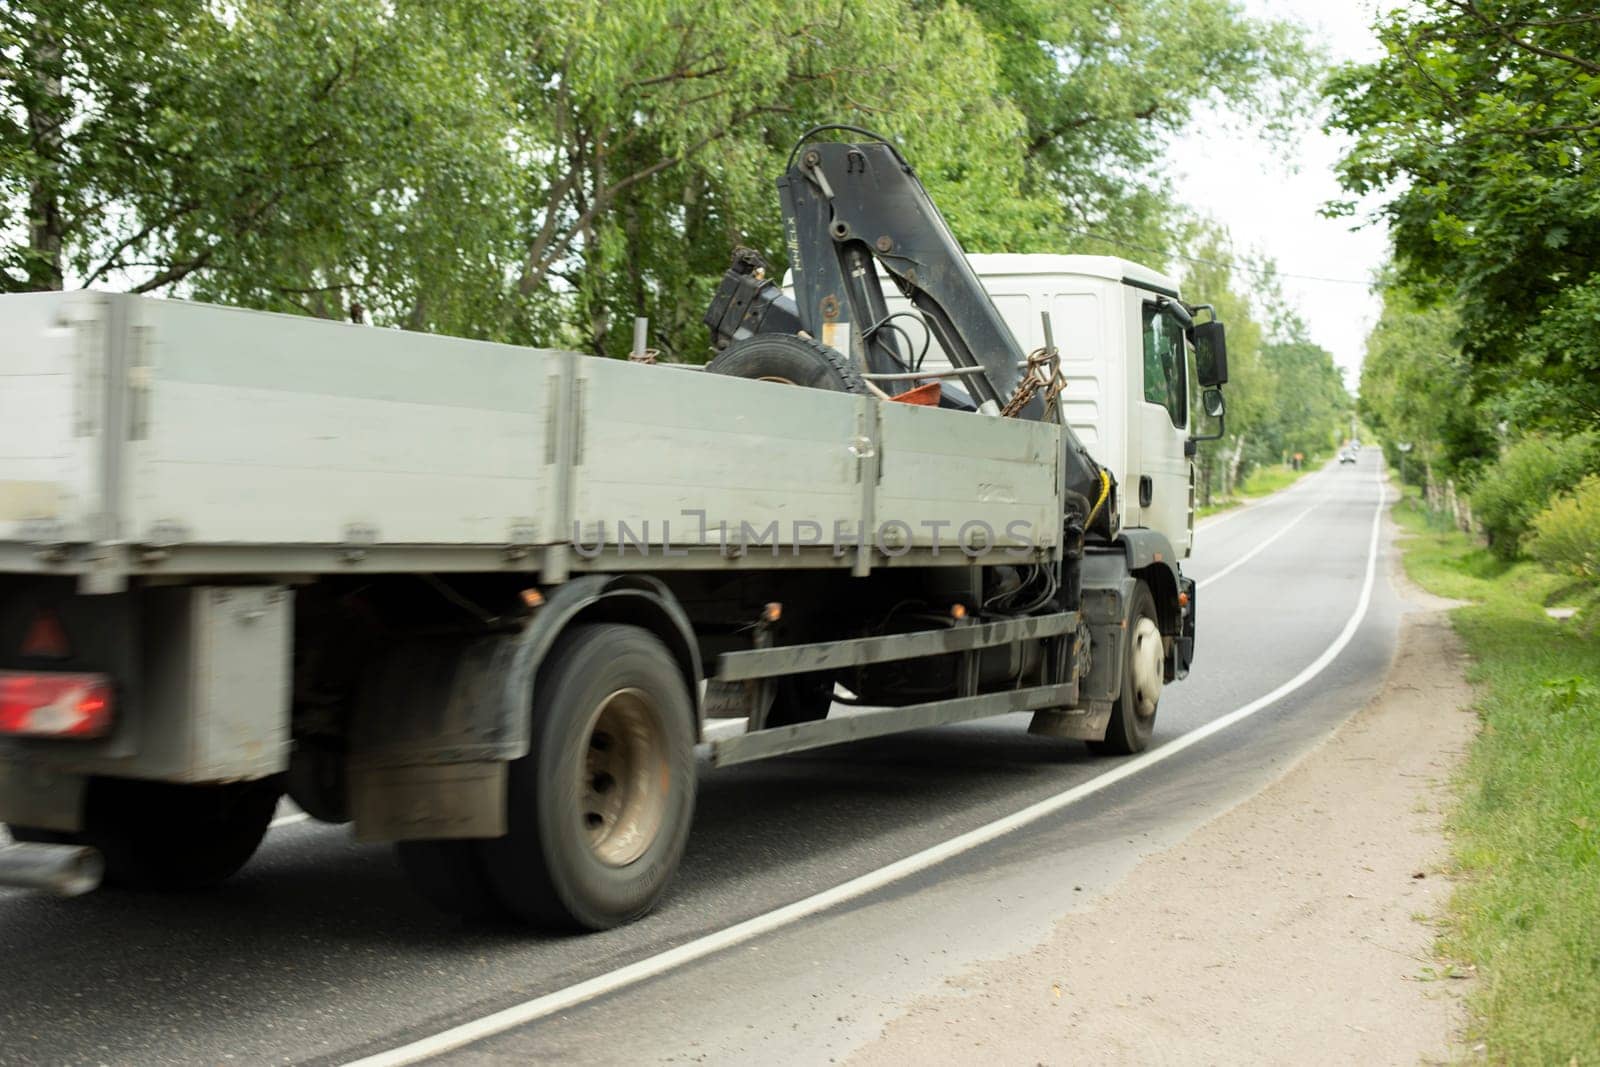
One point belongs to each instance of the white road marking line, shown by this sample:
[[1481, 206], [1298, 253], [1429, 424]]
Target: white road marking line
[[1249, 506], [1248, 556], [1217, 520], [288, 820], [539, 1007]]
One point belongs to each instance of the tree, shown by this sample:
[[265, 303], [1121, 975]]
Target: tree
[[663, 127], [1105, 84], [511, 170], [1416, 389], [1311, 405], [1210, 277], [1284, 393], [291, 155], [540, 171], [83, 86], [1480, 125]]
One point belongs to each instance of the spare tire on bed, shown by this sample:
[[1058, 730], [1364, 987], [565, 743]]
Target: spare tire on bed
[[789, 359]]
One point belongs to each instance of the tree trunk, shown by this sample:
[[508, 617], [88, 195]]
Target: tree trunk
[[1432, 491], [1231, 482], [47, 112], [593, 262]]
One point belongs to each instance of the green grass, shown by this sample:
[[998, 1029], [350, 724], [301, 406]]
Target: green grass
[[1526, 827], [1260, 482]]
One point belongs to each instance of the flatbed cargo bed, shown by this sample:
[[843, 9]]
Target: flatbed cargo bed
[[141, 436]]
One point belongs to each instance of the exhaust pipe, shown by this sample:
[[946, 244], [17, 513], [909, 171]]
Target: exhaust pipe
[[65, 870]]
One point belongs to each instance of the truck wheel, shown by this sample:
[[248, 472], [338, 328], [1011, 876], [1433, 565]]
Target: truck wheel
[[798, 698], [598, 811], [789, 359], [450, 876], [316, 782], [1133, 716], [164, 835]]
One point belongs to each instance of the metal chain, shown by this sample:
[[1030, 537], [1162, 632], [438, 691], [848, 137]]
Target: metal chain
[[1043, 372]]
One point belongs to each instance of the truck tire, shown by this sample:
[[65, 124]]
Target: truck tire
[[317, 783], [450, 876], [798, 698], [789, 359], [169, 836], [598, 812], [1133, 716]]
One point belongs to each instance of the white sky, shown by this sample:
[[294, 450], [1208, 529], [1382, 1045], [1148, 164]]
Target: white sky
[[1270, 202]]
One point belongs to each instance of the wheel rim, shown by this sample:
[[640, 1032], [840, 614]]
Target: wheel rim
[[1148, 668], [776, 378], [626, 778]]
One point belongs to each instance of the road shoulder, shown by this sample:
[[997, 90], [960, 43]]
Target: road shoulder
[[1295, 927]]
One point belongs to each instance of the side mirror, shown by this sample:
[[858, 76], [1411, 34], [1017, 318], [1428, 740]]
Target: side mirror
[[1210, 355], [1214, 406]]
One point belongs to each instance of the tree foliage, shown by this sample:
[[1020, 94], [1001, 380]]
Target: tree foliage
[[1285, 394], [1416, 390], [1566, 534], [1481, 125], [293, 156], [1311, 408], [1105, 84], [661, 128], [542, 171], [1532, 472]]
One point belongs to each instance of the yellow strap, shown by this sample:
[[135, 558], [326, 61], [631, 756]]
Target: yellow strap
[[1105, 491]]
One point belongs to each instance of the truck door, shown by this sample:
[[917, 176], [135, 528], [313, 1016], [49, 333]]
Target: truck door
[[1162, 485]]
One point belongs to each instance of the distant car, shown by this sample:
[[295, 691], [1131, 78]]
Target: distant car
[[1347, 456]]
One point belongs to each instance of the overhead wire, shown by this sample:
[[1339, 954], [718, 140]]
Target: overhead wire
[[1265, 272]]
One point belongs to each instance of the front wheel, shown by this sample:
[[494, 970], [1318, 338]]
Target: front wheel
[[598, 812], [1133, 716]]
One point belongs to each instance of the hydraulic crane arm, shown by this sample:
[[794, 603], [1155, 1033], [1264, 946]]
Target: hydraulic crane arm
[[849, 209], [847, 206]]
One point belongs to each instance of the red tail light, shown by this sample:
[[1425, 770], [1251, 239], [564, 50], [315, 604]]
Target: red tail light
[[54, 704]]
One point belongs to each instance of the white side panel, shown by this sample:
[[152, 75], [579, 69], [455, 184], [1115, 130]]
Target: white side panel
[[271, 429], [659, 443], [945, 469], [52, 359], [1088, 363]]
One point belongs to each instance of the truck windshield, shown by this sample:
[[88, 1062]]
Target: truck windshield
[[1164, 364]]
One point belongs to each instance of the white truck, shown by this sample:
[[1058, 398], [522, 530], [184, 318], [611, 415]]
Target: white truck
[[483, 601]]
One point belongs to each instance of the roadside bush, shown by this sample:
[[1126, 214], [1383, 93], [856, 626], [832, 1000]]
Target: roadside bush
[[1525, 480], [1566, 535]]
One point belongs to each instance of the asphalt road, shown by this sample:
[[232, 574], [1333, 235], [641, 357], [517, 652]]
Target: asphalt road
[[319, 952]]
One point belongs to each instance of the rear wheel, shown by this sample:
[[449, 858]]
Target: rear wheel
[[598, 812], [788, 359], [450, 876], [1133, 716], [165, 835]]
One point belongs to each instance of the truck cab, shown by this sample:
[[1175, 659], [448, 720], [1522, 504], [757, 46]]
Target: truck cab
[[1124, 357]]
